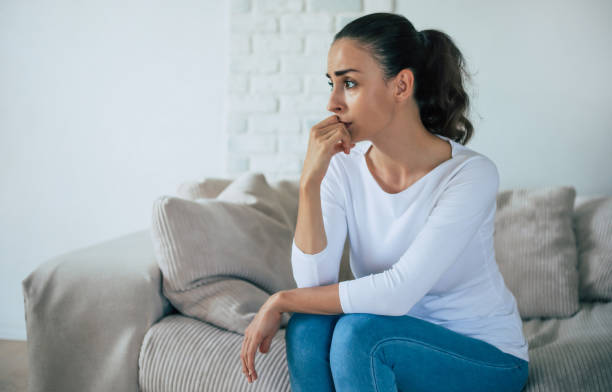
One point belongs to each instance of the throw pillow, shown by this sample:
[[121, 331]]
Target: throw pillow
[[209, 188], [222, 258], [535, 249], [593, 227]]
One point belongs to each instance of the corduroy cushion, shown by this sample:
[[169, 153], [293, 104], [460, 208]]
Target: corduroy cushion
[[222, 258], [593, 228], [208, 188], [535, 249]]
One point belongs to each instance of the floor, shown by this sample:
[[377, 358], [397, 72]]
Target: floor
[[13, 366]]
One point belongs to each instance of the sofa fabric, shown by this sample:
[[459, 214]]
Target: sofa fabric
[[571, 354], [97, 319], [229, 253], [593, 225], [87, 313], [183, 354], [211, 187], [535, 248], [208, 188]]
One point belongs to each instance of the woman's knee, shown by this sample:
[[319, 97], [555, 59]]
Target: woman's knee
[[309, 330], [349, 336], [353, 326], [307, 340]]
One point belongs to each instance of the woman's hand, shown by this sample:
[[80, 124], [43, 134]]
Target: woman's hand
[[260, 331], [327, 138]]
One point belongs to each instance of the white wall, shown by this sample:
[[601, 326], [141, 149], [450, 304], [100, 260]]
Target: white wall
[[104, 106]]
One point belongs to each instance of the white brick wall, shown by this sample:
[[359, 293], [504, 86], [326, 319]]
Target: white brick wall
[[277, 86]]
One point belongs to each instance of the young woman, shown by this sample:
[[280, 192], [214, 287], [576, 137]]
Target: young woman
[[429, 309]]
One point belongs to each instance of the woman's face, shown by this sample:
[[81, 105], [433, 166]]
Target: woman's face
[[359, 97]]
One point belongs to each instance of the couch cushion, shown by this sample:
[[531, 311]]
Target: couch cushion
[[222, 258], [212, 187], [208, 188], [180, 354], [571, 354], [228, 301], [535, 249], [593, 228]]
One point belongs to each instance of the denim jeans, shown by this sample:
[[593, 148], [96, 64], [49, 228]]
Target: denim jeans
[[368, 352]]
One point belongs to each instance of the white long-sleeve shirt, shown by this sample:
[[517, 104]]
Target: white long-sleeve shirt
[[427, 251]]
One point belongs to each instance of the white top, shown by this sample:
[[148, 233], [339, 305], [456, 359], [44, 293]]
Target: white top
[[426, 251]]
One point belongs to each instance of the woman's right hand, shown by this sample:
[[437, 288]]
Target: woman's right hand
[[327, 138]]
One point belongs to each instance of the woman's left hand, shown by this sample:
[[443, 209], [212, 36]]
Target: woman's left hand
[[259, 334]]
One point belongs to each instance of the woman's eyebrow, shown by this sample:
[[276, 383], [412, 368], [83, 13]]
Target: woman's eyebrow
[[340, 73]]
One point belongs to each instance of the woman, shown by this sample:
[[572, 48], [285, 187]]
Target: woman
[[429, 309]]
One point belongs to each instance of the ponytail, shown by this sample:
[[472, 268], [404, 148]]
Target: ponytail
[[443, 102]]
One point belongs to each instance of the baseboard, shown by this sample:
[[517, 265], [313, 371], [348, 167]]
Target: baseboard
[[12, 333]]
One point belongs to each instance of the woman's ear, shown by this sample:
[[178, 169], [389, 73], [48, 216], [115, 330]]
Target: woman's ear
[[404, 84]]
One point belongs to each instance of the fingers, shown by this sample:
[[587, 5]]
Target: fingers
[[250, 355], [326, 133], [247, 356], [243, 358], [341, 135], [328, 121], [265, 345], [331, 128]]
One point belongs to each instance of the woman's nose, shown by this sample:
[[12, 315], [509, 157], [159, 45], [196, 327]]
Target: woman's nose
[[333, 105]]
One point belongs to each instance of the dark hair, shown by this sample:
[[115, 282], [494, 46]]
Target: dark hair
[[433, 57]]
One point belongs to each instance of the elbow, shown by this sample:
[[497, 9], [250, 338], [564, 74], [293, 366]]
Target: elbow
[[403, 305]]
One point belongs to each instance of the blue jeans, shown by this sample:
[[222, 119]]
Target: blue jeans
[[368, 352]]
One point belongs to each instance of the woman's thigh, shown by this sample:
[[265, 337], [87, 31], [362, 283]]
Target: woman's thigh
[[402, 353], [307, 341]]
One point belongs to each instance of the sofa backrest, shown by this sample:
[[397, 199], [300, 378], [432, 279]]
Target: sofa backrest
[[591, 223]]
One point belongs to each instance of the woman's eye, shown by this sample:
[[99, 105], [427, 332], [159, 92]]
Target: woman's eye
[[346, 81]]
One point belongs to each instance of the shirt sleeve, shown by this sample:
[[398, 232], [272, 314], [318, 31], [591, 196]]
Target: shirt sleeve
[[322, 268], [467, 200]]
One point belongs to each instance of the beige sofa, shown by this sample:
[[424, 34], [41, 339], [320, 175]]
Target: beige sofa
[[97, 320]]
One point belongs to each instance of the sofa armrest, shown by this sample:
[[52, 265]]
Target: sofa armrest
[[87, 312]]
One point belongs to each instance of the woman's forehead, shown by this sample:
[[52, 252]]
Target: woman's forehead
[[346, 48], [344, 55]]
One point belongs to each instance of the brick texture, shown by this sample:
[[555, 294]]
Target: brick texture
[[277, 88]]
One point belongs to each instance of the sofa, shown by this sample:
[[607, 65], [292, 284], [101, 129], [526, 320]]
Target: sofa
[[108, 317]]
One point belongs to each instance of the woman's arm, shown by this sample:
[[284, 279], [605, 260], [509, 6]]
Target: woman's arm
[[317, 300], [309, 231]]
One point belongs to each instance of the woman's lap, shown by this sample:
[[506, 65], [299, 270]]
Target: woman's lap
[[368, 352]]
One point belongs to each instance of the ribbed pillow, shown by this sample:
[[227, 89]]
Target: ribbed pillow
[[222, 258], [211, 187], [208, 188], [535, 249], [593, 227]]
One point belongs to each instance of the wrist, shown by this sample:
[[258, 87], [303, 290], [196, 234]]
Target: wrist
[[275, 303]]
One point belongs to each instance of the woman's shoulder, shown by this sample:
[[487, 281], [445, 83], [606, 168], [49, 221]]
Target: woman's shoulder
[[464, 155]]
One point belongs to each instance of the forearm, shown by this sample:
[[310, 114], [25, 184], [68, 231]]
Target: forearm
[[316, 300], [310, 231]]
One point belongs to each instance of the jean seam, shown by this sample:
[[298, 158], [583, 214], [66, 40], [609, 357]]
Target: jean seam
[[376, 346]]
